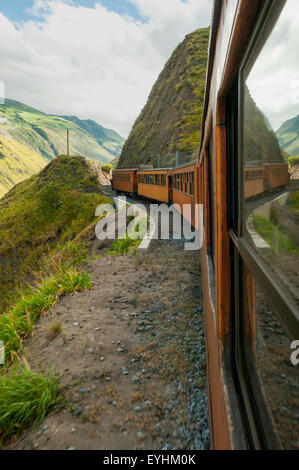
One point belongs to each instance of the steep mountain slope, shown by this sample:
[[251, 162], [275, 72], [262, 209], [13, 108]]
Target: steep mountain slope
[[45, 211], [106, 138], [288, 135], [261, 143], [29, 139], [171, 118]]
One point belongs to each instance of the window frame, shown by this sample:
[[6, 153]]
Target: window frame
[[244, 259], [268, 280]]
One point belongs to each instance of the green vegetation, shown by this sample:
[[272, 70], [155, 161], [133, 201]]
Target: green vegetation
[[41, 220], [260, 141], [121, 247], [288, 135], [25, 398], [293, 161], [107, 168], [44, 222], [171, 119], [19, 322], [293, 202], [268, 231], [132, 240], [29, 139]]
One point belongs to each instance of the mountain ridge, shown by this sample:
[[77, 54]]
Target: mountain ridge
[[30, 138], [288, 136]]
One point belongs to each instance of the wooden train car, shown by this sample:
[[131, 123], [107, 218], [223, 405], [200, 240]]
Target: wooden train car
[[251, 308], [275, 175], [254, 182], [261, 178], [156, 184], [185, 186], [125, 180]]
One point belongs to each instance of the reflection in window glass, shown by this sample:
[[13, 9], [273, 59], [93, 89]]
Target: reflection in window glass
[[279, 376], [271, 150]]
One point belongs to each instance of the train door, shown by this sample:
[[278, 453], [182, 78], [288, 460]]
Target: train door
[[170, 189]]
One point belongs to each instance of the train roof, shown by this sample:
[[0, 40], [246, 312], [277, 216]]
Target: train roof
[[154, 169], [133, 168], [185, 165]]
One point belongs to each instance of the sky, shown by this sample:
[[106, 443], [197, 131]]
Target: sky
[[97, 59], [274, 79]]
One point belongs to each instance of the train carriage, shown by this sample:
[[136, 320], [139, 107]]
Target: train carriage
[[125, 180], [185, 186], [251, 299], [156, 184]]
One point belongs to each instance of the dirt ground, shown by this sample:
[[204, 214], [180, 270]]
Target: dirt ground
[[124, 357]]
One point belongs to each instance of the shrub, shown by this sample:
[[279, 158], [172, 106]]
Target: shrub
[[19, 322], [107, 168], [25, 399], [293, 161]]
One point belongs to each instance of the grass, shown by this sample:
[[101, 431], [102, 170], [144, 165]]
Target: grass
[[293, 202], [130, 243], [18, 323], [41, 219], [266, 229], [54, 330], [25, 398], [44, 223], [293, 161]]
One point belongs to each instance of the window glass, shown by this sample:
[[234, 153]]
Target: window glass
[[192, 183], [278, 374], [163, 180], [271, 149], [211, 197]]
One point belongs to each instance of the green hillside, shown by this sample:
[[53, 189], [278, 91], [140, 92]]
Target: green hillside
[[171, 118], [29, 139], [46, 211], [106, 138], [288, 136], [260, 141]]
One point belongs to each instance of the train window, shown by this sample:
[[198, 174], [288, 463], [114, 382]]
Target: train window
[[157, 180], [271, 198], [211, 198], [264, 223], [192, 183], [163, 180], [277, 373]]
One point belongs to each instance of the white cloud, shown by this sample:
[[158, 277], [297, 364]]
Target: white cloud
[[93, 62], [274, 79]]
